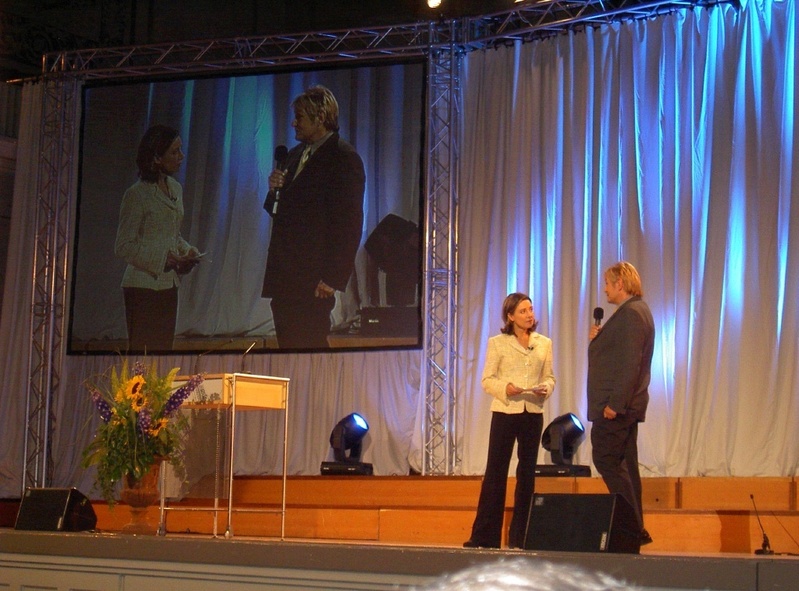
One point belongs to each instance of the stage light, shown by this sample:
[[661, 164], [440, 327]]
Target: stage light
[[347, 436], [562, 437], [434, 3], [346, 439], [394, 247]]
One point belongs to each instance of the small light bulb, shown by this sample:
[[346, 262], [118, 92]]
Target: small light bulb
[[434, 3]]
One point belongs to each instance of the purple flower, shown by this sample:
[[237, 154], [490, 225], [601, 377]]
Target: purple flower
[[144, 420], [181, 394], [102, 406], [139, 369]]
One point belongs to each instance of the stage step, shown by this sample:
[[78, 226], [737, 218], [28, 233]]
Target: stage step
[[696, 515]]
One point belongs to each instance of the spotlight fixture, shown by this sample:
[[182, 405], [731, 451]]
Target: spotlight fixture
[[562, 437], [347, 436], [433, 3]]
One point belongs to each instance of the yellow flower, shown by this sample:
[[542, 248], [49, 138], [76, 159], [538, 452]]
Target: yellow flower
[[135, 429], [160, 424], [134, 392]]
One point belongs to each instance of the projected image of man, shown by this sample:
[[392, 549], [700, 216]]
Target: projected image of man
[[316, 203]]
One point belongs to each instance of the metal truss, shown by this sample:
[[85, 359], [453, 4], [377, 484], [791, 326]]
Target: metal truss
[[440, 453], [530, 21], [52, 230], [526, 21], [441, 43], [246, 53]]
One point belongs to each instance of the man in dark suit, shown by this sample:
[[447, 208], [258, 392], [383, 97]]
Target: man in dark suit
[[619, 363], [316, 204]]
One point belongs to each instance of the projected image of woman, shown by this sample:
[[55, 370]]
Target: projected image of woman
[[518, 374], [149, 241]]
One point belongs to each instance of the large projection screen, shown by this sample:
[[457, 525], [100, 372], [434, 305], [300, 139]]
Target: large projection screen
[[229, 127]]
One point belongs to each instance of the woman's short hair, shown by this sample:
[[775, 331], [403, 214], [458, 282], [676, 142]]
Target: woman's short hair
[[155, 142], [630, 279], [318, 103], [509, 306]]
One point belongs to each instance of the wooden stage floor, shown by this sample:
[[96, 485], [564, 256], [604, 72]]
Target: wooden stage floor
[[378, 532]]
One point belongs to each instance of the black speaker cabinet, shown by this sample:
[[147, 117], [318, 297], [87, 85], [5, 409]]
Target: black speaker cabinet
[[55, 509], [346, 469], [582, 523]]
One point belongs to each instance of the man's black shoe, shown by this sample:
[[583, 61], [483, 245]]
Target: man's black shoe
[[645, 538]]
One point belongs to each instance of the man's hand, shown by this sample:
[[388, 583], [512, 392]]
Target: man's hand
[[277, 179], [609, 413], [323, 290]]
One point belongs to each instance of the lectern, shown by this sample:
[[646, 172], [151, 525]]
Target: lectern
[[226, 394]]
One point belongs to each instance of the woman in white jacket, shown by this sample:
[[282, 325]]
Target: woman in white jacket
[[149, 241], [518, 374]]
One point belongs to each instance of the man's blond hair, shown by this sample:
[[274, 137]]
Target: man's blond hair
[[319, 104], [630, 279]]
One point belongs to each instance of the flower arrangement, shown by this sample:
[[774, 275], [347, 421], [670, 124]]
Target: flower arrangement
[[139, 424]]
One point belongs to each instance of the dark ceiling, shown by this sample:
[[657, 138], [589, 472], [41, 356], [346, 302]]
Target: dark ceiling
[[30, 28]]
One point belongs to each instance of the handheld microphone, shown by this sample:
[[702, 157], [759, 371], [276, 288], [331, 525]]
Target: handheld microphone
[[281, 153], [599, 314], [245, 355], [766, 546]]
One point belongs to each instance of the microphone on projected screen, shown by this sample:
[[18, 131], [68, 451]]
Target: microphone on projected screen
[[245, 355], [273, 197], [211, 350], [766, 546], [599, 314]]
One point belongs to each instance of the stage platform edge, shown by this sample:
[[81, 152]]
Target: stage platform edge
[[94, 562]]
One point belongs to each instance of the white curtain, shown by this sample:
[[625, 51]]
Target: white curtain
[[669, 143], [666, 142], [15, 323]]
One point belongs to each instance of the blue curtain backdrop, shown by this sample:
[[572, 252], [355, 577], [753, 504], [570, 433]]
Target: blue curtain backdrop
[[669, 142]]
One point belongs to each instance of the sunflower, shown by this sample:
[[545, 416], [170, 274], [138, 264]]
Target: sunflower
[[138, 423]]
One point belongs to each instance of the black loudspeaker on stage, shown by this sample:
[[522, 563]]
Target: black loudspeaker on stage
[[55, 509], [582, 523]]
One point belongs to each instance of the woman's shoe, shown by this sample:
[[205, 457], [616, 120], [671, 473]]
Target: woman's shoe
[[470, 544], [473, 544]]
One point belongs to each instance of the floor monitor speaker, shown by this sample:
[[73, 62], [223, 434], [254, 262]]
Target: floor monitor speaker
[[55, 509], [582, 523], [346, 469]]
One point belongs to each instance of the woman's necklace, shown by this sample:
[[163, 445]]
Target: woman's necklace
[[164, 186], [524, 339]]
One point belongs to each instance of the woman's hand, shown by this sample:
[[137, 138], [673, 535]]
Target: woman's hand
[[540, 390], [512, 390], [182, 264]]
